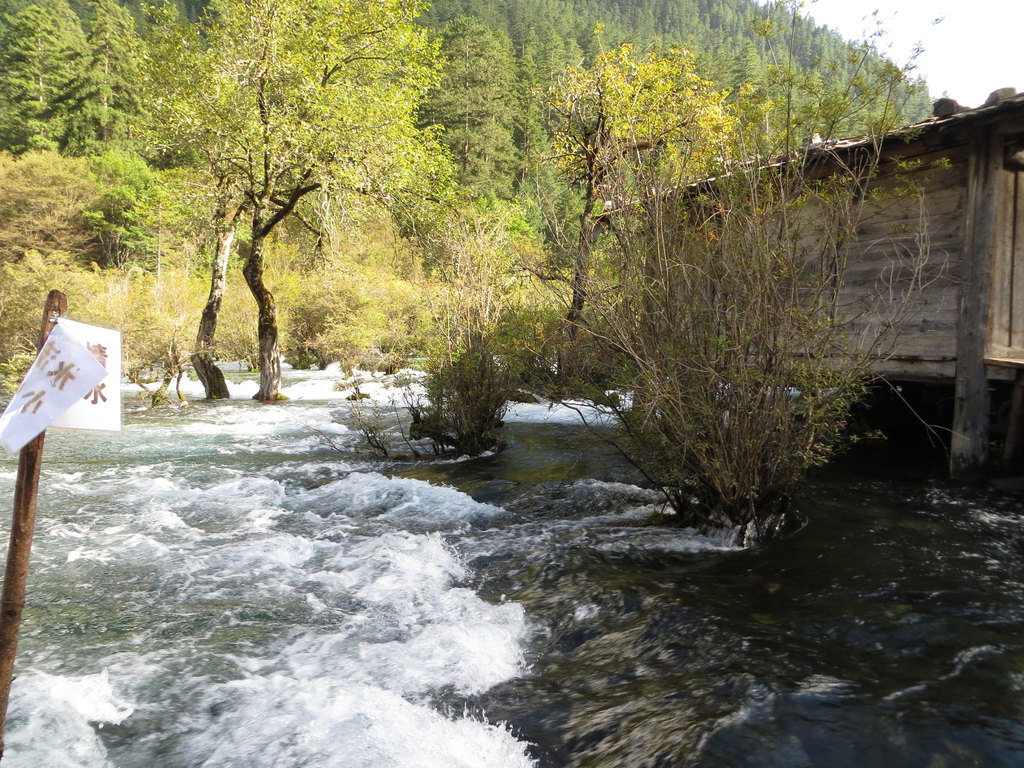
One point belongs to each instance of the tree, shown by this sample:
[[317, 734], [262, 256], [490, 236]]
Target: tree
[[722, 306], [39, 51], [475, 103], [229, 209], [127, 184], [473, 372], [735, 366], [103, 99], [747, 67], [283, 99], [626, 111], [175, 46], [44, 199]]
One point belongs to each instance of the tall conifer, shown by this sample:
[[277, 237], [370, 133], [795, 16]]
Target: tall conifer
[[103, 98], [39, 51], [475, 102]]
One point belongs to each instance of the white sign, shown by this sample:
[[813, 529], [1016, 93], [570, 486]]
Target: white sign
[[64, 371], [101, 406]]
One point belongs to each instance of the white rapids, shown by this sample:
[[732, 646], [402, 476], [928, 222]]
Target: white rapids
[[214, 587]]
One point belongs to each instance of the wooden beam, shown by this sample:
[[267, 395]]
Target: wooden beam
[[969, 454]]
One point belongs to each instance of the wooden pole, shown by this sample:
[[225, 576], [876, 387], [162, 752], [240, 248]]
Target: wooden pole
[[12, 600], [969, 444]]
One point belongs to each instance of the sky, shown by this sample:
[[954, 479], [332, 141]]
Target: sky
[[970, 47]]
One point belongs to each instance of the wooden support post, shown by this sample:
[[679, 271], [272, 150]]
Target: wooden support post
[[969, 446], [12, 600], [1015, 427]]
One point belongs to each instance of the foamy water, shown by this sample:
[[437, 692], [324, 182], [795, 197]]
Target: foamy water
[[235, 585], [215, 587]]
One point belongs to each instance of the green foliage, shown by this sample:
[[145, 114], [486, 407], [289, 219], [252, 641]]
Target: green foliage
[[24, 286], [621, 118], [236, 332], [467, 397], [852, 92], [711, 265], [275, 117], [127, 184], [13, 370], [111, 210], [474, 102], [473, 364], [735, 360], [634, 110], [252, 97], [43, 202], [736, 41], [102, 100], [355, 307], [39, 51], [158, 325], [155, 316]]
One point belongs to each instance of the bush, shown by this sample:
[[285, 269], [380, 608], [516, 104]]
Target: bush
[[475, 361], [42, 200], [467, 398], [737, 371], [23, 289], [358, 308]]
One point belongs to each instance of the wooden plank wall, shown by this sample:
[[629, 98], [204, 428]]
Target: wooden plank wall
[[904, 269], [1005, 344]]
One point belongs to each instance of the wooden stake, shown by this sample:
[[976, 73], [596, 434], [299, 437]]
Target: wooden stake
[[12, 600]]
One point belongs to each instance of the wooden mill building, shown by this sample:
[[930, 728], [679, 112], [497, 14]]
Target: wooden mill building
[[958, 236]]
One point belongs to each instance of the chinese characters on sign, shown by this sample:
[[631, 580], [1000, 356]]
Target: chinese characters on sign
[[74, 382], [100, 407], [100, 353]]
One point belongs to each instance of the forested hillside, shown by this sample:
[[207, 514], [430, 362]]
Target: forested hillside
[[500, 56], [70, 80], [734, 40]]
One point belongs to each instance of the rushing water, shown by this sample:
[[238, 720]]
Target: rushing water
[[220, 586]]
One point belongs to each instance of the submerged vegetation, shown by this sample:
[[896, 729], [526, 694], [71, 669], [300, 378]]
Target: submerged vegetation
[[514, 207]]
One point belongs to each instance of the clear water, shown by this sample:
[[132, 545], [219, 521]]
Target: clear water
[[217, 586]]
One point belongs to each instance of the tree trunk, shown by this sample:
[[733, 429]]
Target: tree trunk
[[581, 268], [568, 355], [266, 328], [202, 360]]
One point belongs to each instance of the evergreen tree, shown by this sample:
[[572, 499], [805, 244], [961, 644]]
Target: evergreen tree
[[103, 98], [748, 67], [475, 102], [547, 200], [531, 130], [39, 51]]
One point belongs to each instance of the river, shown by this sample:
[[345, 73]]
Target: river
[[235, 585]]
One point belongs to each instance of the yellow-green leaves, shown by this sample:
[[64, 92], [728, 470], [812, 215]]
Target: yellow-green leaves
[[280, 92], [630, 107]]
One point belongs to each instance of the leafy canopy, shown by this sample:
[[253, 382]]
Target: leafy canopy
[[281, 95], [627, 109]]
